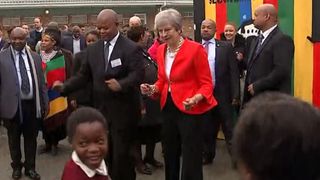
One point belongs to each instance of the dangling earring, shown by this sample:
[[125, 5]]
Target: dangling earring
[[55, 48]]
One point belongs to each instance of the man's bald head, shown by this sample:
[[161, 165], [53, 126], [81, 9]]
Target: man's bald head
[[268, 9], [208, 29], [18, 38], [108, 14], [76, 32], [135, 21], [265, 17], [18, 31], [210, 22], [107, 24]]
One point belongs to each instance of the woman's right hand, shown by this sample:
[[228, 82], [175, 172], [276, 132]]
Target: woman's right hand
[[239, 56], [147, 89]]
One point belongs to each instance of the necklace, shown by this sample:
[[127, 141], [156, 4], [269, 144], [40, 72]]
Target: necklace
[[46, 57], [172, 52]]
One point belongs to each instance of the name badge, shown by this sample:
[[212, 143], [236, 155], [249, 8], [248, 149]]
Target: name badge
[[116, 63]]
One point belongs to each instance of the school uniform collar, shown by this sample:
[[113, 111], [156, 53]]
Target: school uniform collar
[[102, 170]]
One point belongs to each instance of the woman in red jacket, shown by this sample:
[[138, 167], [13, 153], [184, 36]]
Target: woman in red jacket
[[186, 92]]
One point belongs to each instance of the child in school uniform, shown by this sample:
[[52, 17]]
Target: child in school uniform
[[87, 133]]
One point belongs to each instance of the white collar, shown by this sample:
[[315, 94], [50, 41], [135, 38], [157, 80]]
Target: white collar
[[17, 52], [212, 40], [267, 32], [76, 39], [40, 30], [114, 40], [102, 170]]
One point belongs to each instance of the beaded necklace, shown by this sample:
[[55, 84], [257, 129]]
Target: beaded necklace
[[172, 53], [46, 57]]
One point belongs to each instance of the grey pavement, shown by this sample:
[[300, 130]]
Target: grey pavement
[[50, 168]]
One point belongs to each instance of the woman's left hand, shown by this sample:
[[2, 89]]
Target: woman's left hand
[[190, 102]]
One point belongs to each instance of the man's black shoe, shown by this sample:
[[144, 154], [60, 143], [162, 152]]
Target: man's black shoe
[[16, 174], [32, 174]]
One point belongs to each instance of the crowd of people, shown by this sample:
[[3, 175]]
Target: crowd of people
[[112, 90]]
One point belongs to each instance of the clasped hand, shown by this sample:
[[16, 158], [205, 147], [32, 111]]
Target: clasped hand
[[191, 102], [113, 84], [147, 89]]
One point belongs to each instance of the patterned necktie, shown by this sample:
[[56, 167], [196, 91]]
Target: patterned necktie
[[260, 38], [25, 84], [206, 46], [106, 54]]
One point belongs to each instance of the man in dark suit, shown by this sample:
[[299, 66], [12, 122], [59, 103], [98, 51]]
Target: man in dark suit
[[225, 75], [23, 101], [269, 62], [115, 68], [74, 43], [35, 34]]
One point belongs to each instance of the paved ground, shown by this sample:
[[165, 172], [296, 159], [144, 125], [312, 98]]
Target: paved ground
[[50, 168]]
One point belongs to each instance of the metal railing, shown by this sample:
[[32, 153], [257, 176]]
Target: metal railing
[[79, 3]]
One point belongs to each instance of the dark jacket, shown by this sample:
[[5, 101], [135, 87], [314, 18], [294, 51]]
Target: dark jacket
[[121, 109], [270, 69]]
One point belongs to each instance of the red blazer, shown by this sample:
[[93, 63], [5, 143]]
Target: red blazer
[[190, 75]]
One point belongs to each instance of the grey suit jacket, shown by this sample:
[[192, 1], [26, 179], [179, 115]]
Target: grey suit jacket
[[9, 85]]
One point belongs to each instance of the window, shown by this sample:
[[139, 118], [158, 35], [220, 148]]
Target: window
[[187, 14], [60, 19], [79, 19], [27, 20], [11, 21]]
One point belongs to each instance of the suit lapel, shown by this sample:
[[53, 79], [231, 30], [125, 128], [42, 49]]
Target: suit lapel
[[1, 44], [217, 52], [8, 53], [266, 41], [82, 43], [116, 49], [253, 46], [116, 52], [99, 60]]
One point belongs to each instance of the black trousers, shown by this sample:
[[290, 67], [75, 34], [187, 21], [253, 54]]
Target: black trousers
[[221, 115], [122, 116], [121, 156], [29, 129], [181, 137]]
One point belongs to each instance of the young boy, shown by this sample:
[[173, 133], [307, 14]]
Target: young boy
[[87, 132], [277, 138]]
